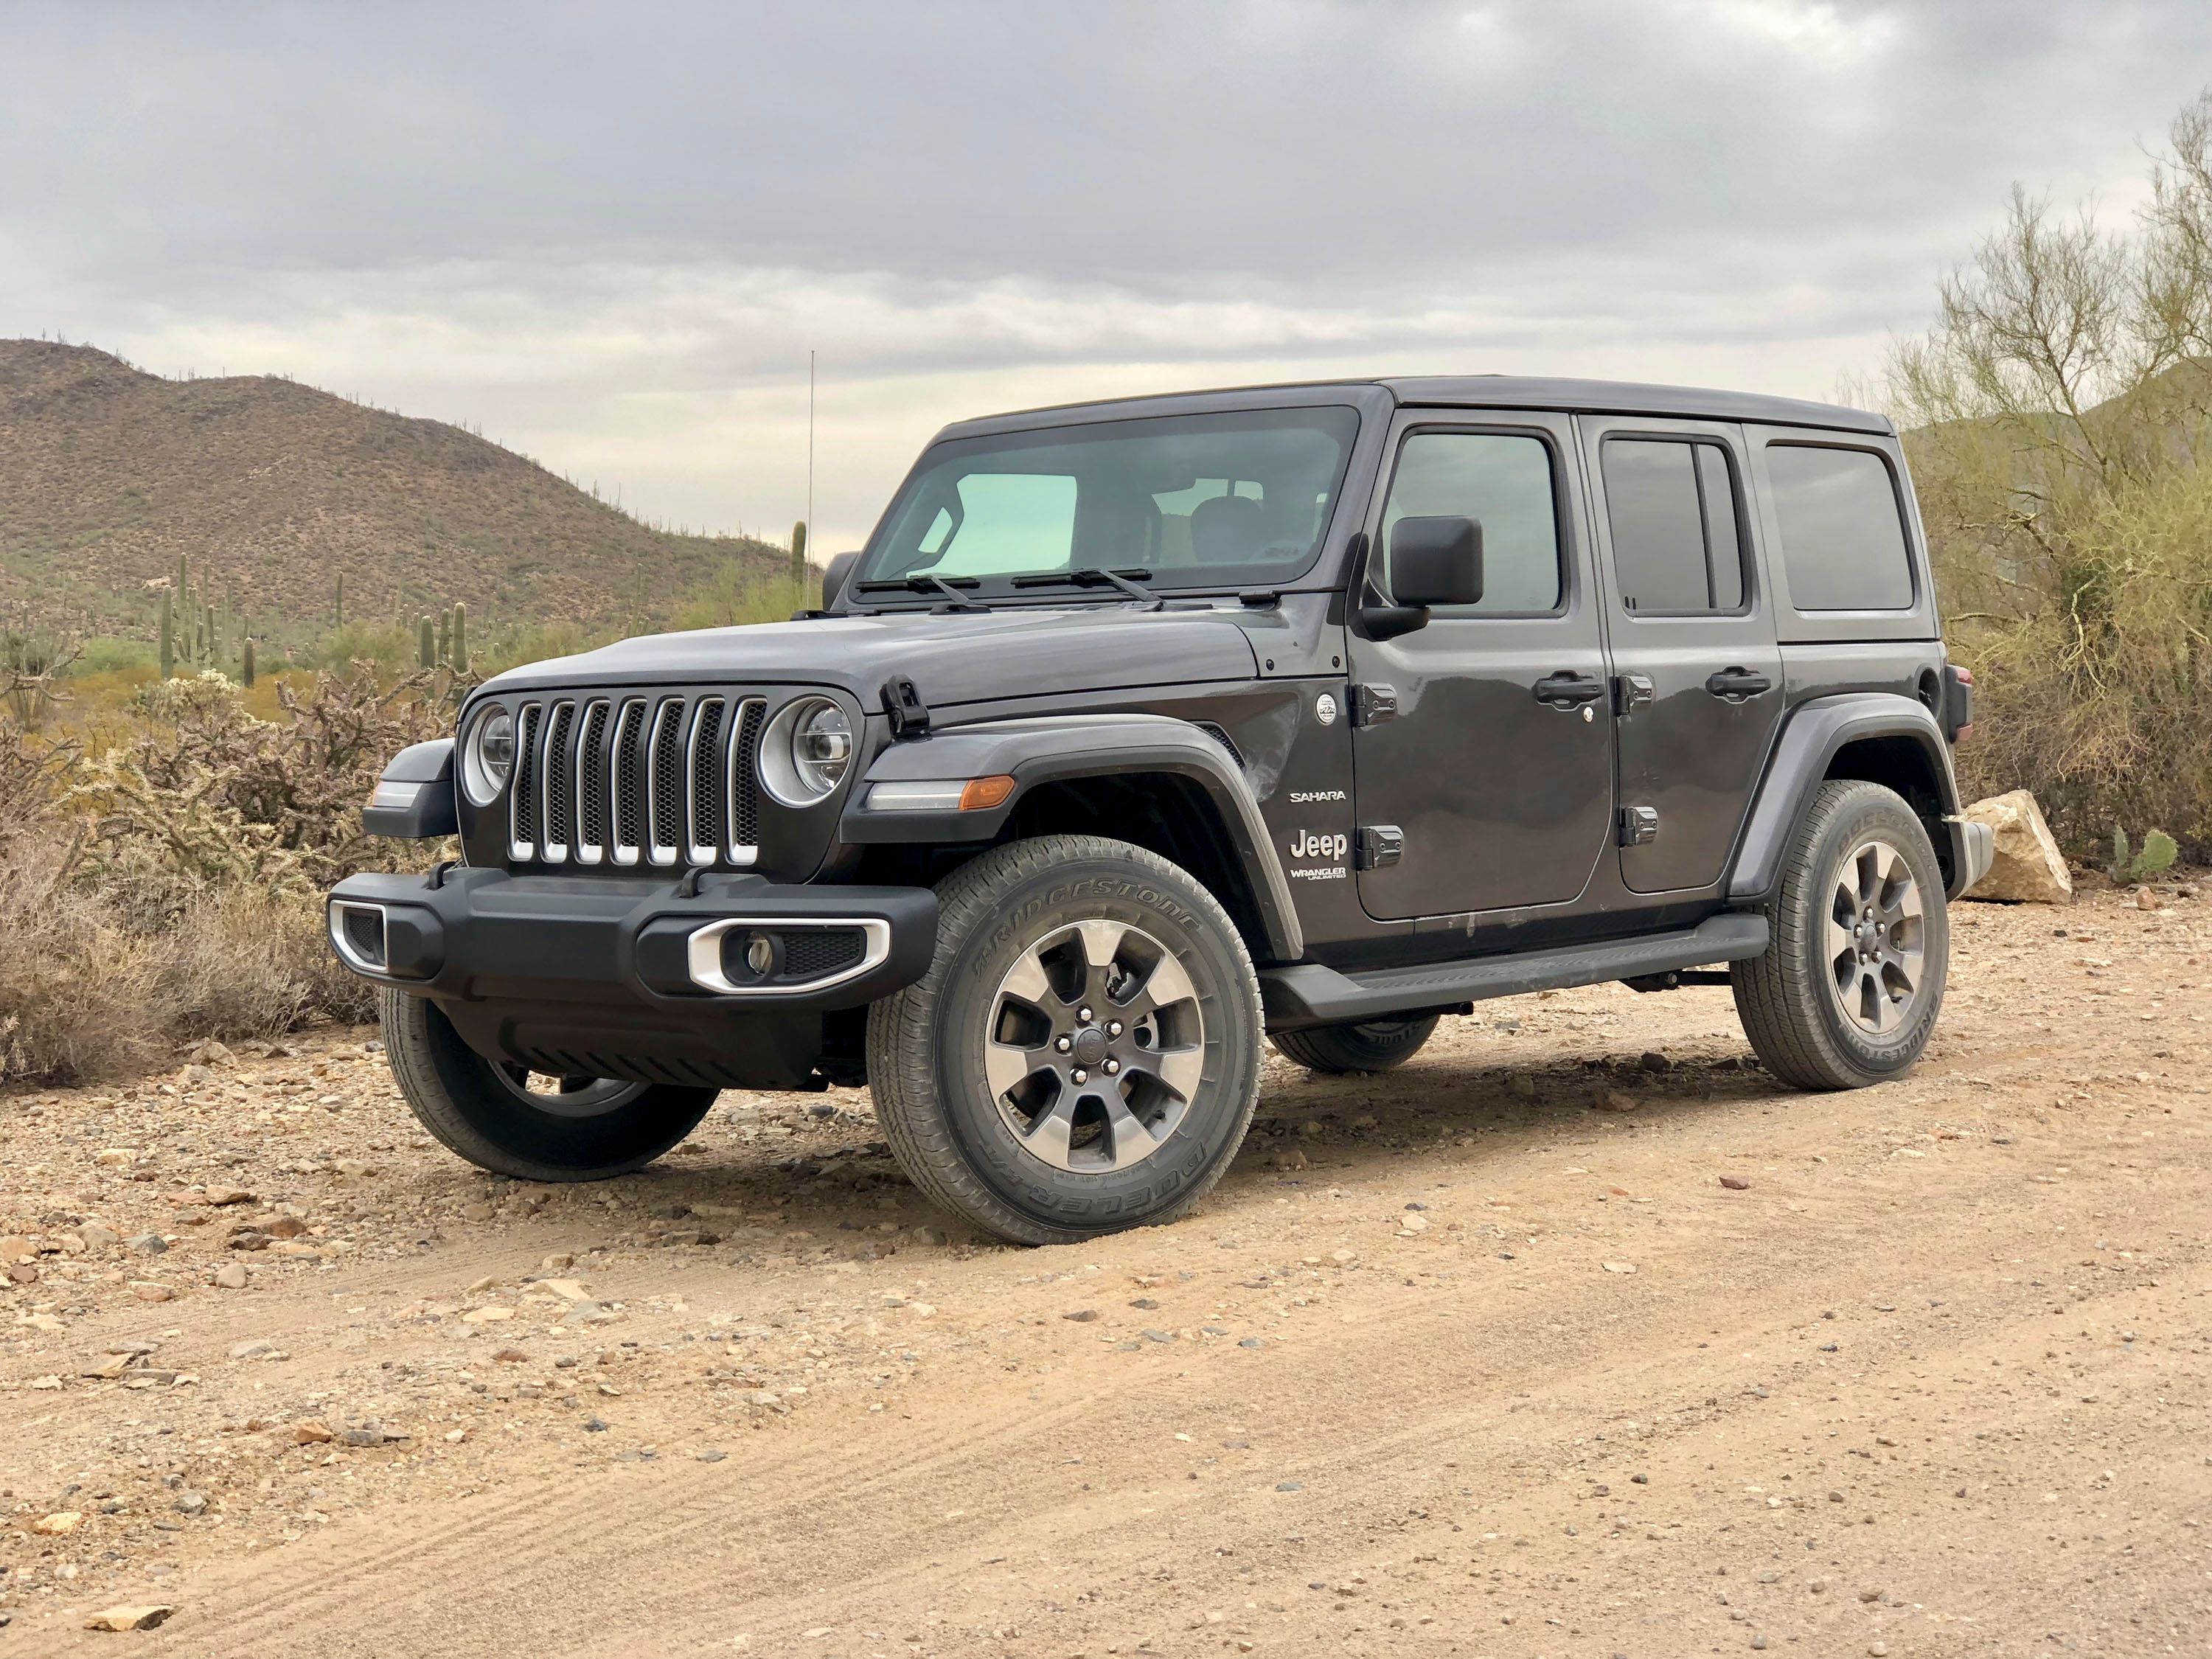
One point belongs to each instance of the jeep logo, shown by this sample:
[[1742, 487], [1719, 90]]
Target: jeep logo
[[1307, 845]]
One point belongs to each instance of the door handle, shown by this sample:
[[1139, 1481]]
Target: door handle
[[1737, 682], [1567, 690]]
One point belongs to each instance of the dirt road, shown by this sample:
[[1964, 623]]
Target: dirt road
[[1466, 1360]]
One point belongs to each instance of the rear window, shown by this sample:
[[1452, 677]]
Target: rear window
[[1843, 531]]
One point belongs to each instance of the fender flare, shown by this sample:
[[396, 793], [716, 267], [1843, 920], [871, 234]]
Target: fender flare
[[1047, 748], [1815, 731]]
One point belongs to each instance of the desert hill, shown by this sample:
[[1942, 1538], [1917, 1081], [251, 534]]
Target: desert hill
[[275, 489]]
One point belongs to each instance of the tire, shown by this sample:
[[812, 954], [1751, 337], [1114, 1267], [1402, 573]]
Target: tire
[[1848, 987], [1368, 1045], [585, 1130], [999, 1124]]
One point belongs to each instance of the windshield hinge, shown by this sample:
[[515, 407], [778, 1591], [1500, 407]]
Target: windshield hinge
[[909, 713]]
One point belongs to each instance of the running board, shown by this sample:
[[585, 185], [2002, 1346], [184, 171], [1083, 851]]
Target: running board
[[1309, 993]]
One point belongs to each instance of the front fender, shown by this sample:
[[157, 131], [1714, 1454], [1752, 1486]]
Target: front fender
[[1814, 733], [1047, 749]]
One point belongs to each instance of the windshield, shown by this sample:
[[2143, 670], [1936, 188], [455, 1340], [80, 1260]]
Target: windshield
[[1191, 500]]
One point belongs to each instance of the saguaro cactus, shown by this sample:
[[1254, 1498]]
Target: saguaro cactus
[[798, 559], [426, 642], [245, 666], [168, 636], [460, 657]]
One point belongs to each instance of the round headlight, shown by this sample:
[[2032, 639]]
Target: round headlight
[[488, 757], [806, 752]]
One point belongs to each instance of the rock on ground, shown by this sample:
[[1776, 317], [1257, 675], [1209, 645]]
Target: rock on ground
[[2028, 869]]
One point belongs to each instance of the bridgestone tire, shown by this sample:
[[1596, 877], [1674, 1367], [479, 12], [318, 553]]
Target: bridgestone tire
[[927, 1044], [1369, 1045], [1787, 998], [477, 1112]]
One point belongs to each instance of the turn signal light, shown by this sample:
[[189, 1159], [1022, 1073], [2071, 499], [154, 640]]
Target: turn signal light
[[982, 793]]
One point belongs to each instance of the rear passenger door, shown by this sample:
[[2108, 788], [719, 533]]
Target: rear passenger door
[[1697, 671]]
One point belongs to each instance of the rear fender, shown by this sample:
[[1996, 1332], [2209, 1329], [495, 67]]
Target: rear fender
[[1878, 735]]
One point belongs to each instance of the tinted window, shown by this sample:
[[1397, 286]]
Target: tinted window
[[1504, 480], [1843, 536], [1672, 508], [1197, 500]]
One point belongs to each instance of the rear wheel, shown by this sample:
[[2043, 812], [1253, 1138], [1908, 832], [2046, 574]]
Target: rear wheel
[[1847, 990], [1083, 1054], [515, 1122], [1369, 1045]]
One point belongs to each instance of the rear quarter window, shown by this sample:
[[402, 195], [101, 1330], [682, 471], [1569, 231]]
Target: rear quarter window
[[1841, 526]]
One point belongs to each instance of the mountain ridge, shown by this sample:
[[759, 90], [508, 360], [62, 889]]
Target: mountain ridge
[[275, 489]]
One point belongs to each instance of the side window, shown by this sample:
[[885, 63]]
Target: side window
[[1502, 479], [1842, 533], [1672, 506]]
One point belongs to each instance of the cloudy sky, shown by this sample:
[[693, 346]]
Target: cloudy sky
[[609, 234]]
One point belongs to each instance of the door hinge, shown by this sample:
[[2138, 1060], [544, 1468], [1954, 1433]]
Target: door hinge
[[1630, 692], [1373, 704], [1377, 846], [1639, 825], [903, 702]]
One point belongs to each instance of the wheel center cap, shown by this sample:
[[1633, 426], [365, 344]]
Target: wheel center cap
[[1090, 1046]]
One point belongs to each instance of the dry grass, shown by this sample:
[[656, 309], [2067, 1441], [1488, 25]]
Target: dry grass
[[162, 877]]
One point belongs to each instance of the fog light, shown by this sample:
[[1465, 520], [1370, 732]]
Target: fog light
[[760, 955]]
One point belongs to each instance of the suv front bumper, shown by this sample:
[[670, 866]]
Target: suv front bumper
[[725, 985]]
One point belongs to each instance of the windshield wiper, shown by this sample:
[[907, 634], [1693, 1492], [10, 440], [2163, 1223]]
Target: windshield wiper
[[1093, 576], [922, 582]]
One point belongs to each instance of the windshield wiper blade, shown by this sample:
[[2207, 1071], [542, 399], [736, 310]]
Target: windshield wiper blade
[[924, 582], [1093, 576]]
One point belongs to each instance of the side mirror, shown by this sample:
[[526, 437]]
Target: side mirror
[[834, 579], [1436, 561]]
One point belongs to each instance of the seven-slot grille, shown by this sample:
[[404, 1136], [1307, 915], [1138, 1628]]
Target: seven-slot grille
[[659, 780]]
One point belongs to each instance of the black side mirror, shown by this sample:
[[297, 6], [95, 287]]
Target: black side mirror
[[1436, 561], [833, 580]]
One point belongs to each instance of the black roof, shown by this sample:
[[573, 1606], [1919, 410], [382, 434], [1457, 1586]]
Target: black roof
[[1467, 392]]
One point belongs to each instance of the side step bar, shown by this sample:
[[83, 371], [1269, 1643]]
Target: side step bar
[[1308, 993]]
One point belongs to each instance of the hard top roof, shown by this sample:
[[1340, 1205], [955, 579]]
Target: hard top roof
[[1469, 392]]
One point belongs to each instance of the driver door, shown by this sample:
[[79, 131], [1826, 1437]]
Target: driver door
[[1497, 767]]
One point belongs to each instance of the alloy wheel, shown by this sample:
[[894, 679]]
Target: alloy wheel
[[1876, 938], [1095, 1046]]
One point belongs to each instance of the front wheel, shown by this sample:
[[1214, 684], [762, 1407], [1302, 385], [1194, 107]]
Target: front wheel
[[514, 1122], [1847, 990], [1367, 1045], [1083, 1055]]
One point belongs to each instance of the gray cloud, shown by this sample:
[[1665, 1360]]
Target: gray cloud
[[611, 232]]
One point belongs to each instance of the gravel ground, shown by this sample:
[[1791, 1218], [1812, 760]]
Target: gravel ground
[[1576, 1337]]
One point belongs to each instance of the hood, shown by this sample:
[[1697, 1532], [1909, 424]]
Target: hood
[[1033, 651]]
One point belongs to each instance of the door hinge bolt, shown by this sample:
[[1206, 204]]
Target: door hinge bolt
[[1377, 846], [1639, 825]]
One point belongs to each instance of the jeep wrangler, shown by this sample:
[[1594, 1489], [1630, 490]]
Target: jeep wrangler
[[1141, 731]]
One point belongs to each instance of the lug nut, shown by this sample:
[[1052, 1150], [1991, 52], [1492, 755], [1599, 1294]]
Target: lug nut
[[1064, 1044], [1113, 1066], [1078, 1075], [1083, 1014], [1113, 1028]]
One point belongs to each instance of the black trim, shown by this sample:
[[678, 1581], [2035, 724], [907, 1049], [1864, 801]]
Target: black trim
[[1811, 736], [1048, 750], [432, 813], [1309, 993]]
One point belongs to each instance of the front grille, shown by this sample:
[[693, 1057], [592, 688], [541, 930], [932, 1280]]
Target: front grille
[[630, 781]]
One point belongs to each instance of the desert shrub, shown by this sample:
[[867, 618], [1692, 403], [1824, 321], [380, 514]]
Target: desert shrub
[[2058, 417], [167, 885], [734, 597]]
